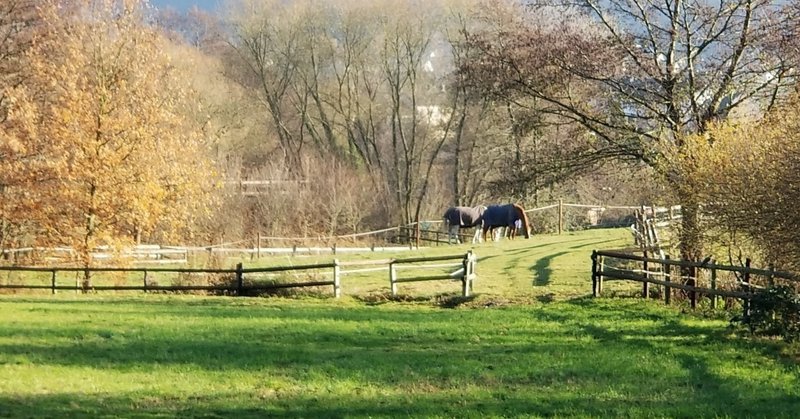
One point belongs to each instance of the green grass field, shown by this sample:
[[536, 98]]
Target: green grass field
[[530, 344]]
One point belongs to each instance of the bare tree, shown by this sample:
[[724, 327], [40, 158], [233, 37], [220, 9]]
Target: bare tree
[[638, 76]]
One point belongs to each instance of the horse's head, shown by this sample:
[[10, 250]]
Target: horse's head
[[526, 225]]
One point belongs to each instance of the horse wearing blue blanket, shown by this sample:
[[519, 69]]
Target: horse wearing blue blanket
[[456, 218], [508, 216]]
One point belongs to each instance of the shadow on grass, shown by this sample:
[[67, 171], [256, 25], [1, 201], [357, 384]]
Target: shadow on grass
[[592, 243], [547, 298], [526, 249], [585, 357], [542, 271], [380, 298], [596, 360], [454, 404]]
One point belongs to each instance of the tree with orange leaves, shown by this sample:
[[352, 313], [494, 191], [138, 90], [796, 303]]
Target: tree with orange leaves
[[101, 120]]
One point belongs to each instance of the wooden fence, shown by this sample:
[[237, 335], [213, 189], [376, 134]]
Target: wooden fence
[[662, 272], [466, 273], [238, 284], [409, 234]]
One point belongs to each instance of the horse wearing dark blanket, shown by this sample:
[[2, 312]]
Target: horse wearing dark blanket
[[505, 216], [463, 217]]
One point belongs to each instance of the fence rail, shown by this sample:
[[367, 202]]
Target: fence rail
[[254, 246], [466, 273], [238, 286], [660, 272]]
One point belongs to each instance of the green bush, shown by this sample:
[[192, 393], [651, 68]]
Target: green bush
[[774, 312]]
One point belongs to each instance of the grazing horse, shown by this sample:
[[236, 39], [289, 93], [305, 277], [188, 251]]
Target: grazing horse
[[463, 217], [509, 216]]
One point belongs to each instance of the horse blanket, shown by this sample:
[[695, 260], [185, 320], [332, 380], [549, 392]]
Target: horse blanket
[[509, 217], [464, 217], [500, 216]]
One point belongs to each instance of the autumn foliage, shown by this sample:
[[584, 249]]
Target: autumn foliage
[[745, 175], [96, 147]]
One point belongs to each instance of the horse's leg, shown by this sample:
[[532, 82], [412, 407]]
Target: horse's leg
[[476, 238], [452, 234]]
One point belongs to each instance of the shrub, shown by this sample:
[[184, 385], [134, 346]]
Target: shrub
[[774, 312]]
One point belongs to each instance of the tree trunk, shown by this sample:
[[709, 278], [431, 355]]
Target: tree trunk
[[691, 235]]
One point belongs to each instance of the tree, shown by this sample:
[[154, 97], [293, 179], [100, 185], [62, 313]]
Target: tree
[[266, 40], [18, 20], [639, 76], [114, 155], [338, 82], [746, 175]]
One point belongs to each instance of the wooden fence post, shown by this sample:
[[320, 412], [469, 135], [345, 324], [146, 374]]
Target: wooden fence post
[[86, 279], [595, 291], [693, 283], [337, 286], [600, 265], [239, 279], [667, 278], [560, 216], [53, 281], [713, 284], [465, 279], [472, 263], [258, 246], [747, 287], [145, 280], [771, 275], [393, 278], [646, 283], [417, 232], [637, 239]]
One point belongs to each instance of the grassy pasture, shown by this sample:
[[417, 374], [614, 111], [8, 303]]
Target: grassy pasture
[[518, 270], [530, 344]]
